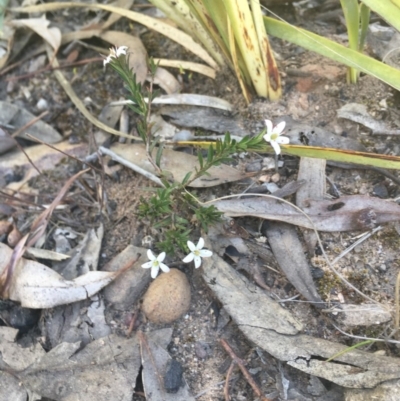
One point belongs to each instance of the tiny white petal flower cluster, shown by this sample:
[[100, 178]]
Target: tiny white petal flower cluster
[[155, 263], [115, 52], [196, 253], [273, 135]]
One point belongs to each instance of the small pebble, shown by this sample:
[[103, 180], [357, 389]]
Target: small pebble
[[167, 298], [42, 104]]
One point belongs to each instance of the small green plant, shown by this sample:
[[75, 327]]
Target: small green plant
[[172, 210]]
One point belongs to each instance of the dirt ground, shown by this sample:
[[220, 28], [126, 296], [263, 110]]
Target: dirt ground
[[314, 89]]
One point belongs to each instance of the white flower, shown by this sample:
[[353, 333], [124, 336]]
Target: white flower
[[273, 135], [155, 263], [115, 52], [197, 252]]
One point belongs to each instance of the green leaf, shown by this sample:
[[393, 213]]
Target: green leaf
[[334, 50], [387, 9], [186, 178], [344, 156]]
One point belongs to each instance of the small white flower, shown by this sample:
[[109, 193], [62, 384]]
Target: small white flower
[[155, 263], [273, 135], [115, 52], [197, 252]]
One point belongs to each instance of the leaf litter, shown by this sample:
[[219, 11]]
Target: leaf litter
[[300, 350]]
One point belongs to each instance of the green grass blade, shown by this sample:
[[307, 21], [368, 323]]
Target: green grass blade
[[365, 13], [389, 10], [334, 51], [349, 349], [350, 11]]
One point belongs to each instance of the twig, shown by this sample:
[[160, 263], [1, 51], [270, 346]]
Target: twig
[[228, 375], [245, 372], [130, 165], [364, 338]]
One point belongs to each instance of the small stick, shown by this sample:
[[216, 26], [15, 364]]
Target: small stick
[[245, 372], [228, 376], [130, 165]]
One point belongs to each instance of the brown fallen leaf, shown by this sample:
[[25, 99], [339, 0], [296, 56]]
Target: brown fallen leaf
[[179, 164], [18, 118], [41, 26], [274, 329], [349, 213], [37, 286], [43, 157]]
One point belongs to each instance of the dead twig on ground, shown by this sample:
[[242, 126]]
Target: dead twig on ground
[[245, 372], [228, 375]]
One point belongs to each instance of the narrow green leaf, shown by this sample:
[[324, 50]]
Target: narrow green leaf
[[201, 160], [344, 156], [389, 10], [365, 13], [186, 178], [159, 154], [333, 50]]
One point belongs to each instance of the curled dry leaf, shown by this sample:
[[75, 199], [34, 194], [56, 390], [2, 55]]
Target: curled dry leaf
[[41, 26], [179, 164], [355, 212], [36, 286]]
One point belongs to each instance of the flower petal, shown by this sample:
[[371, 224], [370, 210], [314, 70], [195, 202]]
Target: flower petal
[[147, 265], [161, 256], [200, 244], [280, 127], [283, 140], [191, 246], [197, 262], [276, 147], [267, 137], [121, 50], [164, 268], [205, 253], [188, 258], [268, 124], [150, 255], [154, 271]]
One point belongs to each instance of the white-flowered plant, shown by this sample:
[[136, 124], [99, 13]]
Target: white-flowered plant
[[196, 253], [115, 52], [155, 263], [273, 135]]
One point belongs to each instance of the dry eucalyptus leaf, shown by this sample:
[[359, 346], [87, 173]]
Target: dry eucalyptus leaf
[[358, 113], [281, 237], [18, 117], [42, 156], [166, 81], [80, 321], [179, 164], [272, 328], [36, 286], [6, 142], [348, 213], [41, 26]]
